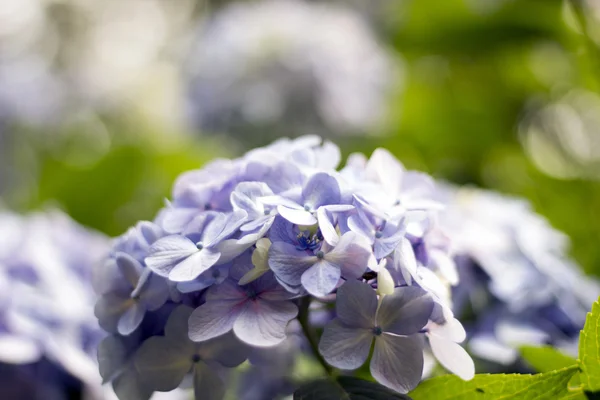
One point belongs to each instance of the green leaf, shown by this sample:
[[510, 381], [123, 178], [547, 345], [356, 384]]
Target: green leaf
[[589, 350], [550, 386], [546, 358], [346, 388]]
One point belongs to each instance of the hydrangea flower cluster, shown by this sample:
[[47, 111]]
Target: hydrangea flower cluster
[[246, 244], [259, 70], [48, 334], [516, 277]]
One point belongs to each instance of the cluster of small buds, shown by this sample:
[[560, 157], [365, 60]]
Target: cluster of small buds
[[246, 244], [48, 334], [516, 277]]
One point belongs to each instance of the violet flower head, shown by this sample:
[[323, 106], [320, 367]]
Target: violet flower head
[[48, 334], [515, 264], [235, 258]]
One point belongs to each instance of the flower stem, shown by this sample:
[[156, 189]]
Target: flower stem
[[310, 334]]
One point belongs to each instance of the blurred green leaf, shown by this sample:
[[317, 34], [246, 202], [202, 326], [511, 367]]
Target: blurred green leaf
[[545, 359], [589, 350], [547, 386]]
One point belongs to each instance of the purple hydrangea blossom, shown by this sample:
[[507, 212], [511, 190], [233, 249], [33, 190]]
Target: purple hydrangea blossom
[[243, 248]]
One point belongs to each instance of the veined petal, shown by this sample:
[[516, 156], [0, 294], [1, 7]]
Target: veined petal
[[223, 226], [155, 293], [345, 347], [326, 226], [406, 311], [398, 361], [356, 305], [165, 253], [452, 357], [214, 318], [191, 267], [161, 365], [262, 322], [320, 279], [289, 263], [297, 216]]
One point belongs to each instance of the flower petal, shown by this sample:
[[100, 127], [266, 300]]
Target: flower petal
[[356, 304], [452, 356], [165, 253], [223, 226], [131, 319], [297, 216], [262, 323], [289, 263], [109, 309], [351, 255], [322, 189], [398, 361], [227, 349], [112, 354], [406, 311], [208, 384], [345, 347], [191, 267], [162, 365], [320, 279], [213, 318], [129, 267]]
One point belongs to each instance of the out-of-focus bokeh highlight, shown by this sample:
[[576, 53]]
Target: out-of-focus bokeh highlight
[[104, 103]]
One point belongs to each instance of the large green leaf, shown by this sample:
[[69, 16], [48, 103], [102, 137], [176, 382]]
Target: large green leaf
[[346, 388], [589, 350], [550, 386], [546, 358]]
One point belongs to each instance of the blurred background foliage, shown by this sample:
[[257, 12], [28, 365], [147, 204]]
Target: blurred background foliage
[[96, 114]]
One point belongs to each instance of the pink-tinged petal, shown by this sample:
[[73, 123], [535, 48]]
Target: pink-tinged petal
[[297, 216], [398, 361], [263, 323], [191, 267], [213, 318], [351, 255], [452, 357], [289, 263], [162, 365], [320, 279], [406, 311], [344, 347], [356, 305], [131, 319], [165, 253]]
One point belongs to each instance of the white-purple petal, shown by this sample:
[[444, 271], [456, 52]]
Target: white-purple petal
[[262, 323], [289, 263], [397, 361], [297, 216], [356, 305], [351, 255], [165, 253], [321, 189], [131, 318], [320, 279], [406, 311], [345, 347], [452, 357], [194, 265], [213, 318]]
